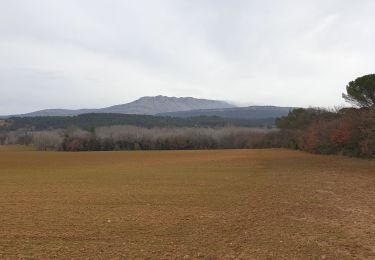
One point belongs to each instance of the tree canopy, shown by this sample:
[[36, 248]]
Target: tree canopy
[[361, 92]]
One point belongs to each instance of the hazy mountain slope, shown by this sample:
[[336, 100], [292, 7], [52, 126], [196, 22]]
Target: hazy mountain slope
[[143, 106], [162, 104], [252, 112], [58, 112]]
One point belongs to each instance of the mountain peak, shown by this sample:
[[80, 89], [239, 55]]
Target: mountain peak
[[148, 105], [152, 105]]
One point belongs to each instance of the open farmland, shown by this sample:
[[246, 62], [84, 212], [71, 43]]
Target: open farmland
[[242, 204]]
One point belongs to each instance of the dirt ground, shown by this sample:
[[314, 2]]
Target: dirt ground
[[223, 204]]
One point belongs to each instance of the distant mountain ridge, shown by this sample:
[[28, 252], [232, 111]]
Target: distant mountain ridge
[[163, 104], [251, 112], [143, 106]]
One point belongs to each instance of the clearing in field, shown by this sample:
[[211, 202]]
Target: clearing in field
[[243, 204]]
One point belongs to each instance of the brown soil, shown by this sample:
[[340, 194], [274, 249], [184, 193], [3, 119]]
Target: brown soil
[[224, 204]]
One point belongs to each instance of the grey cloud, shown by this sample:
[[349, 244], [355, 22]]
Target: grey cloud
[[85, 53]]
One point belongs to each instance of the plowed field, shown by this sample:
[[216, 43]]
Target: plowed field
[[223, 204]]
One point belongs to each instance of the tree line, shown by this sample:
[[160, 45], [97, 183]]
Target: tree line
[[136, 138], [95, 120], [347, 131]]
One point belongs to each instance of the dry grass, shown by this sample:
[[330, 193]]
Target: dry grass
[[241, 204]]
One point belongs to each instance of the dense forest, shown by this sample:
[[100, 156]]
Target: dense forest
[[88, 121], [347, 131], [136, 138], [103, 132]]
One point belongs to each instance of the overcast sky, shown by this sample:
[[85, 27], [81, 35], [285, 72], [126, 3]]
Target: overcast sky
[[91, 53]]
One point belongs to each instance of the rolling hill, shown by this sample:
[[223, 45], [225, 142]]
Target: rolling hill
[[252, 112], [142, 106]]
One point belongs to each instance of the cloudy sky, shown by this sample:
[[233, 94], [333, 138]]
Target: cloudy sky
[[96, 53]]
